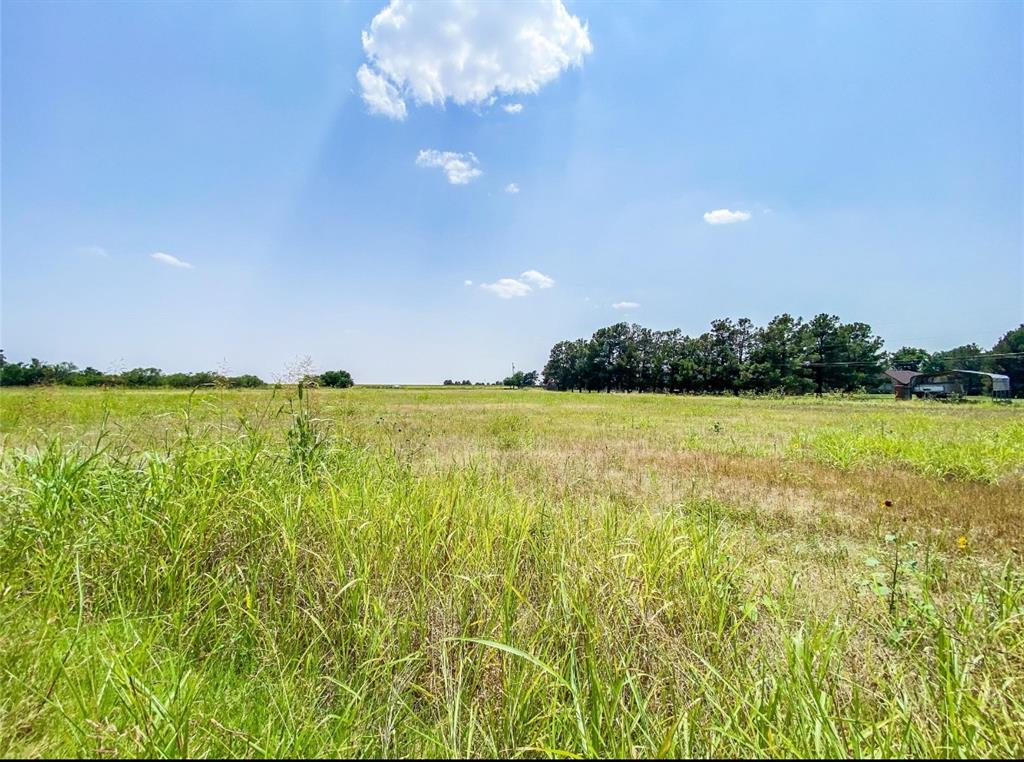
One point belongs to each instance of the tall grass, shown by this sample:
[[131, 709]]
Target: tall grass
[[250, 592], [984, 456]]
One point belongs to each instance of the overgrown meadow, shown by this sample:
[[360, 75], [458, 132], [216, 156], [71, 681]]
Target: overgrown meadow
[[480, 572]]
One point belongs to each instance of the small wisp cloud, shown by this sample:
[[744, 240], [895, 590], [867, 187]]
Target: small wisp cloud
[[172, 261], [460, 168], [507, 288], [625, 306], [513, 288], [381, 97], [725, 217], [512, 188], [538, 279]]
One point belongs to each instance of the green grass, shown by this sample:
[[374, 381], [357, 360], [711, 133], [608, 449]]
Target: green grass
[[427, 572]]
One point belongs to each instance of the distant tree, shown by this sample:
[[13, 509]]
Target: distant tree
[[336, 379], [776, 361], [842, 357], [86, 377], [142, 377], [864, 355], [519, 379], [246, 381], [12, 374], [612, 359], [722, 363], [965, 357], [178, 380], [1008, 359], [65, 373], [559, 370], [787, 355], [909, 358]]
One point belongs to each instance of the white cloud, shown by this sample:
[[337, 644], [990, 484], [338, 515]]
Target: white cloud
[[725, 217], [510, 288], [380, 95], [93, 251], [507, 288], [469, 53], [625, 306], [540, 280], [467, 283], [513, 108], [461, 168], [167, 259], [511, 188]]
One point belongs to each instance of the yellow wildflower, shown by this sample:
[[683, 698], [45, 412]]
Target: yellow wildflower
[[961, 542]]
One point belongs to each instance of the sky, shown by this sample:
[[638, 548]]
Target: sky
[[415, 192]]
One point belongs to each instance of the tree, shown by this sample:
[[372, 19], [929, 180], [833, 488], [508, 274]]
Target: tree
[[519, 379], [336, 379], [144, 377], [843, 357], [787, 355], [65, 373], [863, 355], [965, 357], [246, 381], [1008, 359], [909, 358], [612, 358], [721, 349], [777, 359], [86, 377]]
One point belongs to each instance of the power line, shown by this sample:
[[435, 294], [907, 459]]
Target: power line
[[957, 358]]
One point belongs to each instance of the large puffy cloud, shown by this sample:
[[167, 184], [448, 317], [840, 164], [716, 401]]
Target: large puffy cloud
[[725, 217], [461, 168], [469, 53]]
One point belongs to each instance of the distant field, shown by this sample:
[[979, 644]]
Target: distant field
[[478, 571]]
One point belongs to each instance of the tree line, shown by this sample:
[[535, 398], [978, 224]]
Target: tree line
[[35, 372], [519, 379], [788, 355]]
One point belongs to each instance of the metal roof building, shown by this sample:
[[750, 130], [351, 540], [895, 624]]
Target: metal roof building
[[947, 383]]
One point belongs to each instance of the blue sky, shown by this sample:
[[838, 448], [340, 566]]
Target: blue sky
[[877, 149]]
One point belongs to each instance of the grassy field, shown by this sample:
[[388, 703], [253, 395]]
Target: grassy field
[[478, 572]]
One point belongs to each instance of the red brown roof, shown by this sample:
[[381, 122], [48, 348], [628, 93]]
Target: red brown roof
[[902, 377]]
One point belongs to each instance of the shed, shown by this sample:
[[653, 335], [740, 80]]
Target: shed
[[902, 380]]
